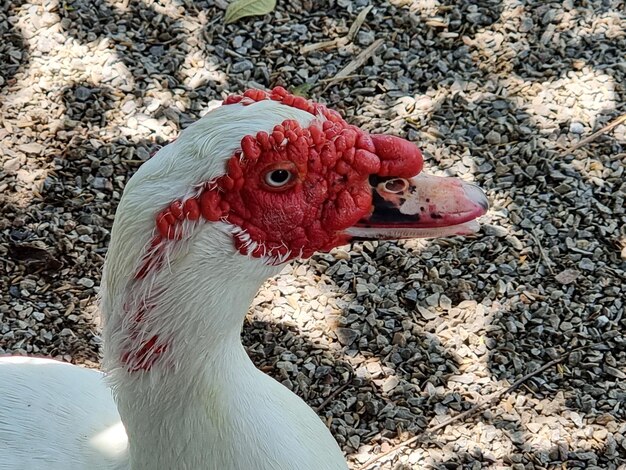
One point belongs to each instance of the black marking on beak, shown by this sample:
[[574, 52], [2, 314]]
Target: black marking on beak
[[386, 212], [375, 180]]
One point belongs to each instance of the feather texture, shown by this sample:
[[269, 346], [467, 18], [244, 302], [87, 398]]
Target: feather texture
[[201, 404]]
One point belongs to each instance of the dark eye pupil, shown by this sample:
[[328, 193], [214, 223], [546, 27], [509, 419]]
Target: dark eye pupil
[[279, 176]]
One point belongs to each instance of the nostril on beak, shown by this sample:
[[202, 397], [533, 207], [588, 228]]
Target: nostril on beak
[[476, 195], [397, 185]]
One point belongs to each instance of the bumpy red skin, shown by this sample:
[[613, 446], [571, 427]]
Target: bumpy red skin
[[331, 162]]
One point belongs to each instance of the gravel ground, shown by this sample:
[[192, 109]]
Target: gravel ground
[[414, 332]]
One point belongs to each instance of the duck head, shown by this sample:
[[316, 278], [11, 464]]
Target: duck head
[[310, 182]]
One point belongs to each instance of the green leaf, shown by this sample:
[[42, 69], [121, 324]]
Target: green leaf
[[242, 8], [302, 90]]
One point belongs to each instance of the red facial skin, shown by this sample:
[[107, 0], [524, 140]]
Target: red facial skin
[[330, 164]]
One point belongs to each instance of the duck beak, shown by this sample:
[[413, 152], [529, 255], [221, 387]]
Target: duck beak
[[423, 206]]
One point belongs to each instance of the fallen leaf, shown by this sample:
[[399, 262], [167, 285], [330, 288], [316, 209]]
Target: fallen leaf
[[359, 61], [34, 255], [302, 90], [242, 8], [358, 22]]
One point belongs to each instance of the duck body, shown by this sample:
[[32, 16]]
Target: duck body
[[49, 428], [253, 422], [263, 179]]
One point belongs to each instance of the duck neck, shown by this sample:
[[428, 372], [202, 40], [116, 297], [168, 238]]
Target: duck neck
[[175, 352]]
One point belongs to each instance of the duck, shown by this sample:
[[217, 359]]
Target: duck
[[265, 178]]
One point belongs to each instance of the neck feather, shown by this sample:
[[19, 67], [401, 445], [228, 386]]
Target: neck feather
[[187, 315], [195, 307]]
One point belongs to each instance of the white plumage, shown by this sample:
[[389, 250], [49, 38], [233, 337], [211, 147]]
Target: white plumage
[[56, 415], [178, 377], [205, 406]]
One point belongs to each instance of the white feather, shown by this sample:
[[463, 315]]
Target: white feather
[[203, 405], [54, 415]]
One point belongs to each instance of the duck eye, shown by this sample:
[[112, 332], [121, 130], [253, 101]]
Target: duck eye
[[278, 178]]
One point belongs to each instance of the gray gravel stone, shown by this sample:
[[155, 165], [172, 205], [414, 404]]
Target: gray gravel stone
[[242, 66], [82, 93]]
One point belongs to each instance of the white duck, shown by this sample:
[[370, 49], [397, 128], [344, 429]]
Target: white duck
[[263, 179]]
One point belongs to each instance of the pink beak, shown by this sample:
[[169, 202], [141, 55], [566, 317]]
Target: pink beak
[[423, 206]]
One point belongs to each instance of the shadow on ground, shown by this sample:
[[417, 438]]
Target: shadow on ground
[[14, 53]]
